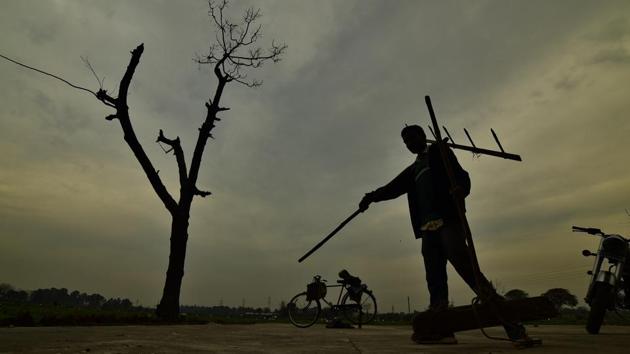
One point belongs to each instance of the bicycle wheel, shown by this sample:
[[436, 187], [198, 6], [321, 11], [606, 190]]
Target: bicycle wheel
[[303, 313], [362, 314]]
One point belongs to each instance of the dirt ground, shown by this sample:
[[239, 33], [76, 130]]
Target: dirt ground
[[284, 338]]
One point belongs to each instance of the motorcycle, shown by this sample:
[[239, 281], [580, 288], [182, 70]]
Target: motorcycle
[[609, 288]]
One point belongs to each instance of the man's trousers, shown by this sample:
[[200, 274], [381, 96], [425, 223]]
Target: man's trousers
[[440, 246]]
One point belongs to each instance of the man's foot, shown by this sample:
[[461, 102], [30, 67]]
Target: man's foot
[[515, 331], [519, 337], [434, 338], [439, 307], [527, 342], [491, 296]]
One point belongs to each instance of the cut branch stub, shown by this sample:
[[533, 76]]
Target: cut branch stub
[[176, 147], [102, 96], [167, 141], [126, 80], [201, 193]]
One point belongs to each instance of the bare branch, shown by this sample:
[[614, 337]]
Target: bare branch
[[218, 19], [232, 39], [179, 156], [126, 80], [101, 94], [49, 74], [122, 112], [231, 57], [250, 16], [252, 84]]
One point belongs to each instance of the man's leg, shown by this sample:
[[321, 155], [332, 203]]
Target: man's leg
[[453, 241], [435, 268], [456, 251]]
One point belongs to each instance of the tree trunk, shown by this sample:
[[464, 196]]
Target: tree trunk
[[168, 309]]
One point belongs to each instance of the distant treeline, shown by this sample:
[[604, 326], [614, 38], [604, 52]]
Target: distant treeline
[[62, 297], [222, 310]]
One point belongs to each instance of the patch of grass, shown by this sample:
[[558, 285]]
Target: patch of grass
[[24, 314], [579, 316]]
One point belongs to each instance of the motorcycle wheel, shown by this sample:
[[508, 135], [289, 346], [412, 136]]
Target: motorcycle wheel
[[599, 304]]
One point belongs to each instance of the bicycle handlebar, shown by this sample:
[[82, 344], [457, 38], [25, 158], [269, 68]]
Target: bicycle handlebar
[[588, 230]]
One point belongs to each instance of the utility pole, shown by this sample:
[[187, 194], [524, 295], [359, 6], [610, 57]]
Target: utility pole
[[408, 305]]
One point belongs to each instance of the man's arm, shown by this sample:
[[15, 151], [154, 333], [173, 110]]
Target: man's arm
[[392, 190], [439, 171], [462, 177]]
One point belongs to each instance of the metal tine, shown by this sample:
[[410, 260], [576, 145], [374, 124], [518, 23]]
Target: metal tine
[[448, 134], [469, 138], [432, 133], [497, 139], [474, 149]]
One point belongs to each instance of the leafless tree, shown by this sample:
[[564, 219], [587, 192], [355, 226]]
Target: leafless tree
[[233, 53]]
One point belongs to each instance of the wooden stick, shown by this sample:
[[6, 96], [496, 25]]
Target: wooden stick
[[459, 205], [330, 235], [458, 199]]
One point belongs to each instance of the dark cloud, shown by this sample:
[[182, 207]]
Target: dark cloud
[[613, 56], [42, 33], [612, 31], [567, 83]]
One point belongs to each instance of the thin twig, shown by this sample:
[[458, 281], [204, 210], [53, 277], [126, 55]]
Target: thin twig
[[224, 54], [49, 74], [87, 63]]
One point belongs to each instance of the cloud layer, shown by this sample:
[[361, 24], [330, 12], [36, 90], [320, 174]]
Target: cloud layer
[[293, 158]]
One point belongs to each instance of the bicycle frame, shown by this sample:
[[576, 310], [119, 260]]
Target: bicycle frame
[[342, 286]]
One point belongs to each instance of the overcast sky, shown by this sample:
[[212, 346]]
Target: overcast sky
[[292, 158]]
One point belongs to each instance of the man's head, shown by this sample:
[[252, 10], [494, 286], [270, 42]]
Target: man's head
[[414, 138]]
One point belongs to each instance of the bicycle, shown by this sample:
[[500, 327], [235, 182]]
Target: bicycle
[[357, 304]]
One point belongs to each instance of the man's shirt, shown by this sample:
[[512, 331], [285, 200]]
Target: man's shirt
[[427, 188]]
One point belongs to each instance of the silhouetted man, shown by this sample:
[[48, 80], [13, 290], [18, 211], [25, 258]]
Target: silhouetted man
[[435, 219]]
